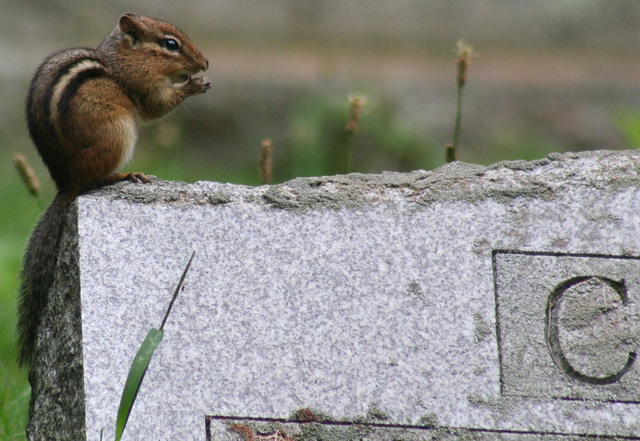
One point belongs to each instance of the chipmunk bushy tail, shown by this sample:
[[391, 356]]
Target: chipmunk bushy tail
[[38, 269]]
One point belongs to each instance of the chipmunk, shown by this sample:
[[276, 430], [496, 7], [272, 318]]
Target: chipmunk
[[82, 109]]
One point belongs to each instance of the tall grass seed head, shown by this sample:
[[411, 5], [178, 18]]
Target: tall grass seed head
[[356, 103], [464, 53]]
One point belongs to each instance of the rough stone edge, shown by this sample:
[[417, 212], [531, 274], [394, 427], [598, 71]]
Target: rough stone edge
[[56, 410], [542, 179]]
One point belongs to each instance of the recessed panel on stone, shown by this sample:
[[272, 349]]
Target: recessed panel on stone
[[569, 325]]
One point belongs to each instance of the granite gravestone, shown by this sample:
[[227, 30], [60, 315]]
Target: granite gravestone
[[465, 303]]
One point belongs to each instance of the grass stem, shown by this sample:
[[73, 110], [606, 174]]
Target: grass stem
[[463, 60]]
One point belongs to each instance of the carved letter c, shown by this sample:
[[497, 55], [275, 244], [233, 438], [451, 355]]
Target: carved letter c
[[553, 340]]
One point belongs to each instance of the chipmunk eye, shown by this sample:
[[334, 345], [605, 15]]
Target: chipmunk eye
[[169, 44]]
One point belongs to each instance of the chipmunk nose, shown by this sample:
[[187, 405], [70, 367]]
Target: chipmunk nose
[[205, 64]]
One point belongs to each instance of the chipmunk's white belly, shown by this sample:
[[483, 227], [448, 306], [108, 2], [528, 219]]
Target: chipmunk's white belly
[[130, 135]]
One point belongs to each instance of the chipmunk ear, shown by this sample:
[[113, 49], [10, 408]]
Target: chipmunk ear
[[131, 25]]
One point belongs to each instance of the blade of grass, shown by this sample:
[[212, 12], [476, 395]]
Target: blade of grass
[[175, 293], [134, 379], [141, 363]]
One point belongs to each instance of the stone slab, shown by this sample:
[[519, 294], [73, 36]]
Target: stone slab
[[464, 303]]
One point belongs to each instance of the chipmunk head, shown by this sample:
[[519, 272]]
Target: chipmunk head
[[152, 49]]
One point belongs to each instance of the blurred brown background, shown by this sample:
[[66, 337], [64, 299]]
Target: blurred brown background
[[552, 75]]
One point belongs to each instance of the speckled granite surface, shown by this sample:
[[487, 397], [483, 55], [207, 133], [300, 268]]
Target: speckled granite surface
[[485, 302]]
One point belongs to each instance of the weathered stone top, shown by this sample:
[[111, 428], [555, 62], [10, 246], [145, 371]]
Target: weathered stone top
[[457, 181]]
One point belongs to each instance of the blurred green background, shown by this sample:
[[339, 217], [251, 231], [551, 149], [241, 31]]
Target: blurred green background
[[552, 75]]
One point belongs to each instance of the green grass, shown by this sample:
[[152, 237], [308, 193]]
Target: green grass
[[627, 119], [14, 402], [17, 217]]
